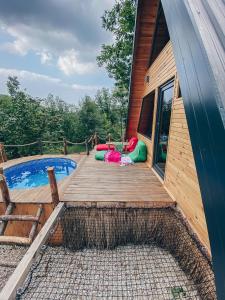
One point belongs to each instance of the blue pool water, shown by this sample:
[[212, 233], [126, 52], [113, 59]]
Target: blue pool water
[[34, 173]]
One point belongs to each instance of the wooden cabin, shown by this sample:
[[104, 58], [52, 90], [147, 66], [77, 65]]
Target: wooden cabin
[[176, 106]]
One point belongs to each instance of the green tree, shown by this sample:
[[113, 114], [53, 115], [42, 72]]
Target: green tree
[[116, 57], [5, 108], [24, 119], [22, 123], [90, 119], [106, 104], [111, 108]]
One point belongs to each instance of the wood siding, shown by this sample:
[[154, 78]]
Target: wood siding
[[146, 17], [162, 70], [180, 179]]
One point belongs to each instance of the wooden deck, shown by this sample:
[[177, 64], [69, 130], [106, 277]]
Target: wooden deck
[[40, 194], [93, 184], [100, 184], [96, 183]]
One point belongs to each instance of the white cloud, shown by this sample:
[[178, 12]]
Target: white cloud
[[69, 63], [17, 47], [41, 85], [23, 74], [86, 87], [46, 57], [52, 28]]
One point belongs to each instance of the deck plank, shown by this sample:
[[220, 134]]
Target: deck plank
[[98, 182]]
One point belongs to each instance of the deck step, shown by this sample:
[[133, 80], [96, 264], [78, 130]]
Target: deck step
[[28, 218], [6, 239], [4, 219]]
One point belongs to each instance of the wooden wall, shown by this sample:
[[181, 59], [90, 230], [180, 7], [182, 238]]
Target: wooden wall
[[147, 11], [180, 179], [162, 70]]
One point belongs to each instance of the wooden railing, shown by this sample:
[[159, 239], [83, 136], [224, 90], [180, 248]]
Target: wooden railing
[[92, 141]]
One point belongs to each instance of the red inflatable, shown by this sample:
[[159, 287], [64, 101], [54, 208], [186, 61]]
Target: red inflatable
[[132, 144], [105, 147]]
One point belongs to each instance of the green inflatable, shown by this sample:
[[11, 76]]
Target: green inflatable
[[140, 152], [100, 155]]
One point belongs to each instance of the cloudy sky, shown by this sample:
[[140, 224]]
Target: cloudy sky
[[51, 45]]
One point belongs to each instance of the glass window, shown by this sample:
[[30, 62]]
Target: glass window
[[161, 35], [146, 117], [163, 126]]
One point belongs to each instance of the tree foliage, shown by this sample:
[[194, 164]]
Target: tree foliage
[[116, 57], [24, 119]]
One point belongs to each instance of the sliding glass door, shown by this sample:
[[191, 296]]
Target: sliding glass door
[[162, 127]]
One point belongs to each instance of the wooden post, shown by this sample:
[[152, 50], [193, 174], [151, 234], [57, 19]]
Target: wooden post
[[64, 146], [96, 139], [53, 186], [87, 146], [92, 142], [109, 135], [40, 146], [3, 156], [8, 212], [4, 190], [1, 171]]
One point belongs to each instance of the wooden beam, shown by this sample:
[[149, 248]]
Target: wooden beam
[[35, 225], [53, 186], [8, 211], [3, 156], [6, 239], [4, 190], [27, 218], [8, 264], [20, 273]]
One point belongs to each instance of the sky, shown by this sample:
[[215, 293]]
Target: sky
[[51, 46]]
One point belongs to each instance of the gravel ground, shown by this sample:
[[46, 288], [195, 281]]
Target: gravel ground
[[10, 256], [128, 272]]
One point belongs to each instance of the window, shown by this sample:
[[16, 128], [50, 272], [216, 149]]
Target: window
[[146, 117], [161, 35], [163, 126]]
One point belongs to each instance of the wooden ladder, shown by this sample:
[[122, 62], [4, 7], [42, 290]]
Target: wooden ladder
[[8, 216]]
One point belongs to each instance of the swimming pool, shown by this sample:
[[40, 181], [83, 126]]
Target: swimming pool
[[33, 173]]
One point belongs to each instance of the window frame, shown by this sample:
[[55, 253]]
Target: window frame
[[146, 98]]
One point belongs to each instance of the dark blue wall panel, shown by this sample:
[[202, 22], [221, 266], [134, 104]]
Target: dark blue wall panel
[[202, 98]]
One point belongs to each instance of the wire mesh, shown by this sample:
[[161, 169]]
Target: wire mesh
[[121, 254], [10, 256]]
